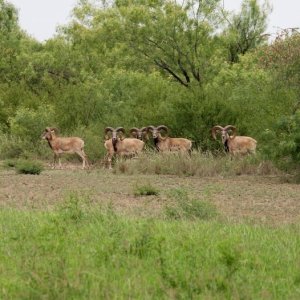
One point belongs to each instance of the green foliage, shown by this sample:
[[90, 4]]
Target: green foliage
[[140, 63], [12, 147], [284, 141], [29, 167], [100, 256], [184, 208], [283, 58], [29, 124], [245, 30], [73, 207], [145, 190]]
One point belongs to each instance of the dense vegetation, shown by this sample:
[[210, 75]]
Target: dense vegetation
[[126, 63], [80, 252]]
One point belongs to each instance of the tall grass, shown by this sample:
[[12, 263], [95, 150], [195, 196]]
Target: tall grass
[[198, 164], [80, 252]]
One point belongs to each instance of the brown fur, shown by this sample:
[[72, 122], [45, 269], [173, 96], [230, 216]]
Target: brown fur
[[124, 148], [235, 145], [61, 145], [165, 144], [241, 145], [172, 144]]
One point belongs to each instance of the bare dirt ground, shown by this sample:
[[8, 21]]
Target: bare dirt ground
[[256, 199]]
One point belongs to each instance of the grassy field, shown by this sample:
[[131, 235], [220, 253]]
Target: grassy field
[[100, 234]]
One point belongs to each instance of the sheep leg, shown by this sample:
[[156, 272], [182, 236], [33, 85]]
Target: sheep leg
[[59, 162], [83, 157], [108, 160], [54, 161]]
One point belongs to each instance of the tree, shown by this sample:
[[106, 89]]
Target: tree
[[246, 29], [176, 36]]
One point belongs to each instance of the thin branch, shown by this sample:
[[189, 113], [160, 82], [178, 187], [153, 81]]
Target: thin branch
[[162, 64]]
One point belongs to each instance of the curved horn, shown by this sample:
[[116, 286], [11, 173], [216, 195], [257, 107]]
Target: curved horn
[[144, 129], [54, 128], [214, 130], [108, 129], [151, 127], [120, 129], [134, 129], [163, 127], [231, 127]]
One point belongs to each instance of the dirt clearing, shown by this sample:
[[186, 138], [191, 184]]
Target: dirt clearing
[[258, 199]]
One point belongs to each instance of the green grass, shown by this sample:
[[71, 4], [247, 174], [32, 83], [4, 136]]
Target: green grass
[[81, 252], [184, 208]]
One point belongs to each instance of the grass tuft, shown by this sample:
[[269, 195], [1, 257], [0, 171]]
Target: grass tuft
[[184, 208], [10, 163], [146, 190]]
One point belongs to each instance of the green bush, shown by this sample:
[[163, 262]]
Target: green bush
[[28, 124], [29, 167], [282, 142], [145, 190]]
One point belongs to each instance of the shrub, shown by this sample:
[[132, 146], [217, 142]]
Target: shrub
[[145, 190], [29, 167], [28, 123], [282, 142]]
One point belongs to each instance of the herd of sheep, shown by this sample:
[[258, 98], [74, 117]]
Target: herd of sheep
[[116, 144]]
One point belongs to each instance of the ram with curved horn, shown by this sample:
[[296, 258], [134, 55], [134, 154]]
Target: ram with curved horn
[[165, 144], [139, 133], [118, 145], [60, 145], [234, 144]]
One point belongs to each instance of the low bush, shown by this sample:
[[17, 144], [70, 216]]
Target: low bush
[[145, 190], [29, 167]]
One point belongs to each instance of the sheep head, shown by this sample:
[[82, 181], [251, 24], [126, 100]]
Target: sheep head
[[156, 131], [224, 131], [138, 133], [48, 133], [114, 133]]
